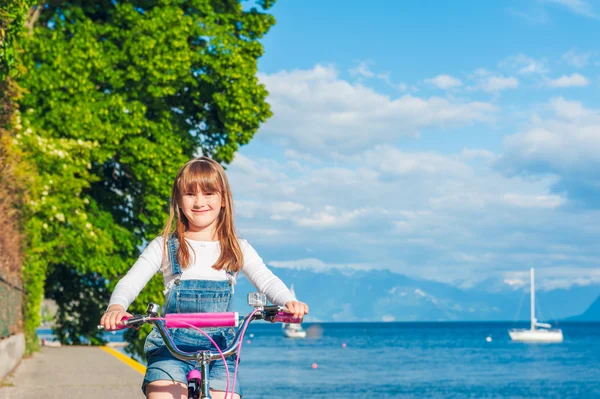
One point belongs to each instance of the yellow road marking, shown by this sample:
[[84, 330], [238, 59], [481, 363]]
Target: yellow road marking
[[126, 359]]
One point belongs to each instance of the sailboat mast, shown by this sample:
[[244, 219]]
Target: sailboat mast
[[532, 300]]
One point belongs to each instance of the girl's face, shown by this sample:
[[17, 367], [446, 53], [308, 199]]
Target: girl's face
[[202, 210]]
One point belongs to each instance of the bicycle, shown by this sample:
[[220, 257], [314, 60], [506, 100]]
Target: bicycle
[[198, 381]]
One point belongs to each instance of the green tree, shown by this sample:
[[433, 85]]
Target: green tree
[[13, 17], [119, 95]]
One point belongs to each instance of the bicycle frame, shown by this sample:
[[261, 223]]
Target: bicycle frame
[[204, 357]]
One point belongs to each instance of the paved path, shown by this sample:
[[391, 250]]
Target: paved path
[[74, 372]]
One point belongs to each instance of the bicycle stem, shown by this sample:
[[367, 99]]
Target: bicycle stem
[[203, 356]]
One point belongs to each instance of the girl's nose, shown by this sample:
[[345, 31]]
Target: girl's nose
[[199, 200]]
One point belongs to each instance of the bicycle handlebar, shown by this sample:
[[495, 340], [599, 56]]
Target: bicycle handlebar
[[185, 320], [204, 320]]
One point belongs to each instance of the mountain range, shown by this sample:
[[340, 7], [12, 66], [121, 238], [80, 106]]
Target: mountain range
[[592, 313], [381, 295]]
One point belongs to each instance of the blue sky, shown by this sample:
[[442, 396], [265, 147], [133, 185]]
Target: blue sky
[[452, 141]]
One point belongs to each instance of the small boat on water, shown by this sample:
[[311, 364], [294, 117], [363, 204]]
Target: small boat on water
[[293, 330], [538, 332]]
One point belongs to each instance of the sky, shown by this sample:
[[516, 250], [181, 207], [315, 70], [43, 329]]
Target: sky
[[449, 141]]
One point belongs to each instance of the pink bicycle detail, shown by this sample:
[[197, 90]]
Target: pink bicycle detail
[[198, 381]]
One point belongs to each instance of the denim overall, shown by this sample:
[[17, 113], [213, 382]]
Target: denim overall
[[191, 296]]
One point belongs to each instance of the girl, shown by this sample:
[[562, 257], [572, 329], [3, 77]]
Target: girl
[[199, 262]]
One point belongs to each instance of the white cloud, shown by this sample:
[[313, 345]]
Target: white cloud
[[258, 232], [535, 17], [525, 65], [574, 80], [575, 59], [567, 142], [362, 69], [564, 143], [551, 278], [404, 87], [299, 156], [491, 82], [410, 212], [390, 160], [306, 264], [316, 110], [246, 209], [318, 265], [444, 82], [481, 72], [260, 170], [580, 7], [495, 84], [331, 217], [477, 153], [342, 190], [534, 201], [287, 207], [573, 110]]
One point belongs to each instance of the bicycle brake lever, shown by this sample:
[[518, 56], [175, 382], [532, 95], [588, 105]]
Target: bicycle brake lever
[[135, 321], [128, 322]]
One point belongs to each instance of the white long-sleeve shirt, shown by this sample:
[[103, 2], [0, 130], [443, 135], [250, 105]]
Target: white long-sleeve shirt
[[152, 260]]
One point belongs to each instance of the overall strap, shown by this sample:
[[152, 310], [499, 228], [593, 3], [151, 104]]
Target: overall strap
[[172, 247], [230, 279]]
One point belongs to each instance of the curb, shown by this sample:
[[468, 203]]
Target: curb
[[11, 353], [137, 366]]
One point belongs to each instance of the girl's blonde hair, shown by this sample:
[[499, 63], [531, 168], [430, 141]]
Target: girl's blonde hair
[[209, 176]]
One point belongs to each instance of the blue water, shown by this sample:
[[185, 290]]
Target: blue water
[[46, 333], [418, 360]]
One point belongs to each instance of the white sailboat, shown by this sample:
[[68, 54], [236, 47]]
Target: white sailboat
[[538, 332], [293, 330]]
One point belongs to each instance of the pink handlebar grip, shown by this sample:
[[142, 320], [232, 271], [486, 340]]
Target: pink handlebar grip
[[201, 320], [123, 326], [119, 326], [284, 317]]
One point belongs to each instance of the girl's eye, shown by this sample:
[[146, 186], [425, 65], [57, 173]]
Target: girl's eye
[[209, 194], [189, 194]]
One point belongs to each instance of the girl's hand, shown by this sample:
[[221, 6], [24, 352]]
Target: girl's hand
[[113, 316], [299, 309]]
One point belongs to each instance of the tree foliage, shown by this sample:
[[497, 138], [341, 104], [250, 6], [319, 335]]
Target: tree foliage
[[119, 96], [13, 14], [12, 20]]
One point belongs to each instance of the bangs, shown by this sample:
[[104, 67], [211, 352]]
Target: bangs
[[199, 176]]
